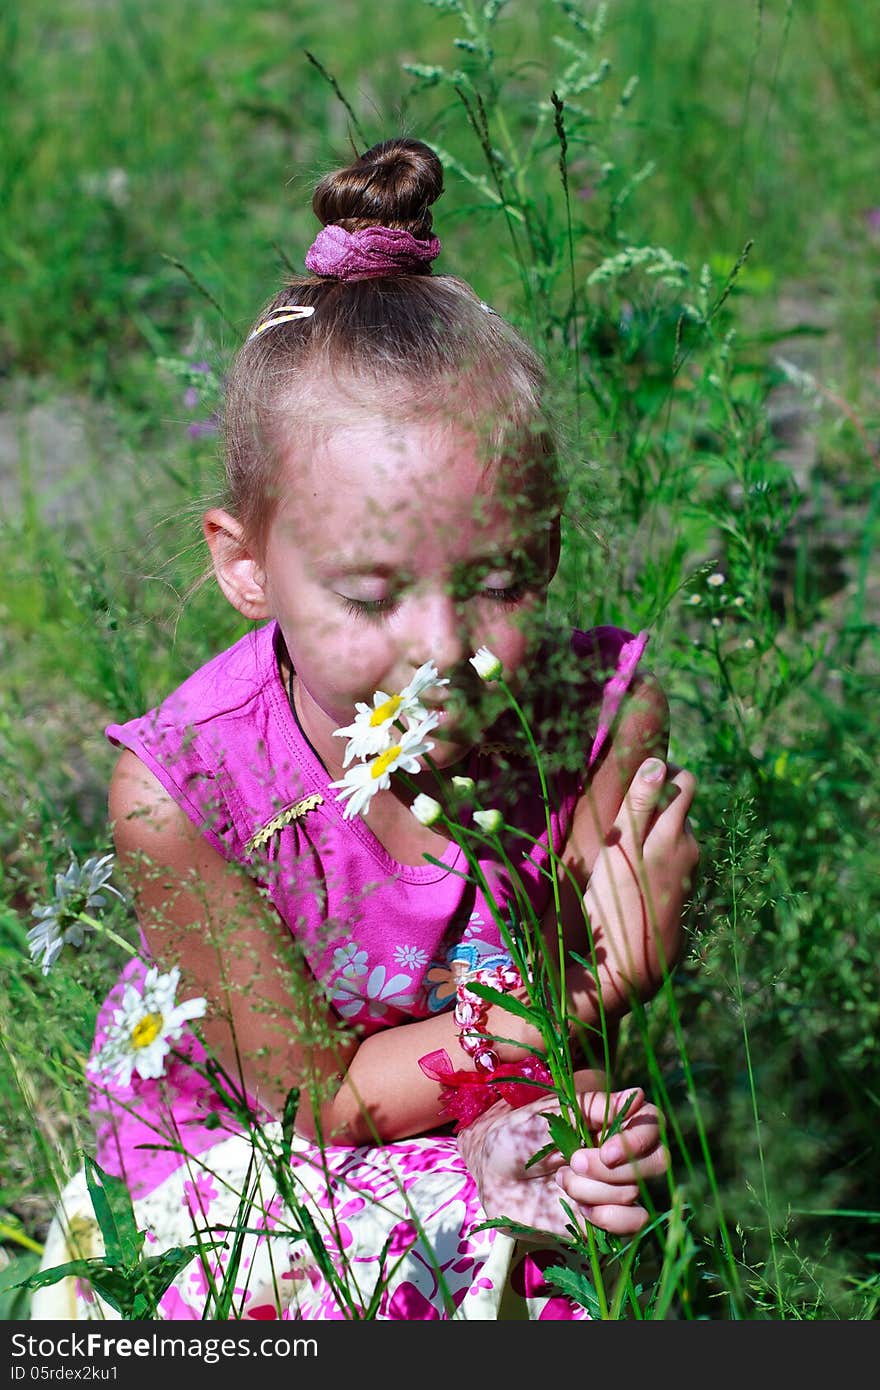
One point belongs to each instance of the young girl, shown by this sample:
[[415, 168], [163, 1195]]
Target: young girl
[[392, 512]]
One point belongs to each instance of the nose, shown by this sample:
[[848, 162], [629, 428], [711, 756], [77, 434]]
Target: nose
[[436, 631]]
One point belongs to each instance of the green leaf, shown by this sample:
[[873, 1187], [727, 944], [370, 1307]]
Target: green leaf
[[372, 1309], [619, 1118], [14, 1305], [516, 1228], [44, 1277], [505, 1001], [563, 1134], [159, 1271], [542, 1153], [131, 1291], [115, 1215], [288, 1118], [577, 1285]]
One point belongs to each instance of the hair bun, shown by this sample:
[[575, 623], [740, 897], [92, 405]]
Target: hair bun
[[391, 185]]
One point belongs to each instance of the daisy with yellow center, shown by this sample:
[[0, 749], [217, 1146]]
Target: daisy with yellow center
[[373, 730], [144, 1027], [361, 782]]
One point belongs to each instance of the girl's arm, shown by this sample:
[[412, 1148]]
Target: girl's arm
[[267, 1020]]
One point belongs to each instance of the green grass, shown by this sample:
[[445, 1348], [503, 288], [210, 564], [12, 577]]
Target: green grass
[[157, 180]]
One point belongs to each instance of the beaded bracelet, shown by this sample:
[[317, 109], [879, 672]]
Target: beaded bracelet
[[471, 1012], [465, 1095]]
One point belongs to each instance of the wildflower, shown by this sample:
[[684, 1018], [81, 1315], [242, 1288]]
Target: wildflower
[[200, 429], [490, 820], [372, 730], [715, 580], [426, 809], [144, 1027], [81, 890], [695, 599], [486, 664], [360, 783], [716, 622], [463, 785]]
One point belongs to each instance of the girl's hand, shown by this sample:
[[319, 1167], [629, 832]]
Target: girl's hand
[[605, 1183], [600, 1185], [637, 890]]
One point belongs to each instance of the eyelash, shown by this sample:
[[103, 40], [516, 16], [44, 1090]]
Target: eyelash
[[374, 608]]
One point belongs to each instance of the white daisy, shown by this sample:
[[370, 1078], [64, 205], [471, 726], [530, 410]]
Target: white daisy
[[144, 1027], [81, 889], [486, 664], [373, 728], [360, 783]]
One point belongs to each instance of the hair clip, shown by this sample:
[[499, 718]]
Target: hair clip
[[285, 313]]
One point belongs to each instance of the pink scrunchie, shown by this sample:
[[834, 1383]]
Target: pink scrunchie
[[368, 253]]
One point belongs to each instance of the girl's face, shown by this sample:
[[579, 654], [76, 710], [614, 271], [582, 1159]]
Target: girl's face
[[394, 545]]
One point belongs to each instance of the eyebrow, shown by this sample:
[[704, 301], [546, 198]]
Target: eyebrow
[[351, 568], [331, 570]]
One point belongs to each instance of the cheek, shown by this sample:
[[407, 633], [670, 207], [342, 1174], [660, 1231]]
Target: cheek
[[340, 659], [514, 636]]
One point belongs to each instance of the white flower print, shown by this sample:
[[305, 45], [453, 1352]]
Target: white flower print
[[413, 956], [350, 959], [377, 992]]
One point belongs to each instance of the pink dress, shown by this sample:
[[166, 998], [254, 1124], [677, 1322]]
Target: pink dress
[[398, 1223]]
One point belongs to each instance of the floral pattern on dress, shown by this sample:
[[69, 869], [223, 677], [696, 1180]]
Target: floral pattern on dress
[[400, 1224], [443, 977], [359, 999]]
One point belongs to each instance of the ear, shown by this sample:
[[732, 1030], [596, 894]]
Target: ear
[[238, 572]]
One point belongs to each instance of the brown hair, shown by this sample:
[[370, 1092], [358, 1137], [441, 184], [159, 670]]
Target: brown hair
[[416, 341]]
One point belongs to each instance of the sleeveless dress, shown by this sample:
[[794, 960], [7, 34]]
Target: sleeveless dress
[[388, 942]]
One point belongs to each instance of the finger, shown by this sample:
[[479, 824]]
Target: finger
[[640, 804], [589, 1192], [600, 1108], [671, 820], [617, 1221], [587, 1164], [639, 1135]]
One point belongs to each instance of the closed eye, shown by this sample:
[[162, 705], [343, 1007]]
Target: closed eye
[[510, 594], [368, 607]]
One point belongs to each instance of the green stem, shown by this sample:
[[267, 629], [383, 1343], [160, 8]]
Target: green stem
[[108, 932]]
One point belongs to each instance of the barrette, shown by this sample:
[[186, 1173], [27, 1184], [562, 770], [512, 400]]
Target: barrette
[[285, 313]]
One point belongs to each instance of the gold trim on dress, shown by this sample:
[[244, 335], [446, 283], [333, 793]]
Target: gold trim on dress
[[290, 814]]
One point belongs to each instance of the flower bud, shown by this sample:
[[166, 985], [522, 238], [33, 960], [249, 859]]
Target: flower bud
[[486, 664], [490, 821], [426, 809]]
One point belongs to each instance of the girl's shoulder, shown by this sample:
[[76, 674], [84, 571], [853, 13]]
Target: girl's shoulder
[[223, 686], [214, 743]]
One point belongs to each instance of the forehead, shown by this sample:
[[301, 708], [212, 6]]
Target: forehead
[[403, 488]]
